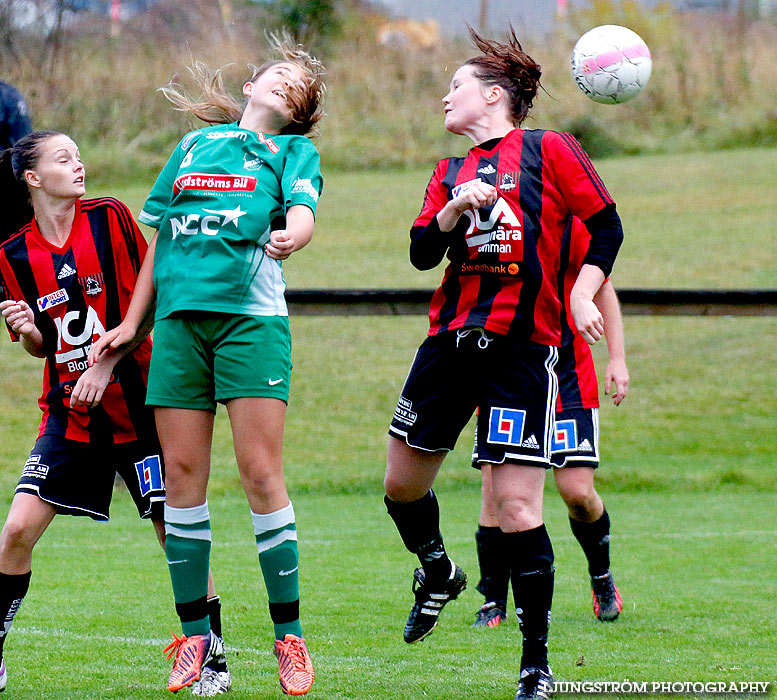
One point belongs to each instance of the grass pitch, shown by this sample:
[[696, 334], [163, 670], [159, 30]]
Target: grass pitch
[[698, 602], [687, 475]]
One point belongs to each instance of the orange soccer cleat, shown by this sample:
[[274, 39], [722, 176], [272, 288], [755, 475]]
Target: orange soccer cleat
[[294, 665], [191, 654]]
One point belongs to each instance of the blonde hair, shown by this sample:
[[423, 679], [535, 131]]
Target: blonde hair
[[217, 106]]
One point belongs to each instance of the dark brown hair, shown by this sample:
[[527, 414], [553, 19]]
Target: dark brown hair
[[510, 67], [14, 195]]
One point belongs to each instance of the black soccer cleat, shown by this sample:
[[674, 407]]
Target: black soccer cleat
[[535, 683], [491, 614], [607, 601], [430, 599]]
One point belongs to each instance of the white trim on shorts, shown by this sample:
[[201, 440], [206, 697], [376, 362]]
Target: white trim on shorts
[[402, 435], [550, 418], [28, 488], [573, 456]]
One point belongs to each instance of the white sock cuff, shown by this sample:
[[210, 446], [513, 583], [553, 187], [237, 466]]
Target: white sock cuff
[[187, 516], [264, 522]]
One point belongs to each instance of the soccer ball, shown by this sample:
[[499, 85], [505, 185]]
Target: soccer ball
[[611, 64]]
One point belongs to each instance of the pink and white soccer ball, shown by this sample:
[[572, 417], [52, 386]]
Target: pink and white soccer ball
[[611, 64]]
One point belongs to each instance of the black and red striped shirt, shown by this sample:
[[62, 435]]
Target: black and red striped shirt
[[504, 259], [578, 386], [77, 292]]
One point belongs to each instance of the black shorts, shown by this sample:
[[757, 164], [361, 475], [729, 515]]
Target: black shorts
[[77, 477], [511, 382], [576, 442]]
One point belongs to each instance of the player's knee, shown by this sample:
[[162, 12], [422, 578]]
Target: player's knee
[[582, 502], [263, 483], [518, 512], [178, 470], [401, 492], [16, 537]]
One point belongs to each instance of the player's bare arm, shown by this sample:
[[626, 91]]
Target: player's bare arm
[[296, 235], [616, 374], [90, 387], [588, 318], [21, 319], [479, 194], [138, 322]]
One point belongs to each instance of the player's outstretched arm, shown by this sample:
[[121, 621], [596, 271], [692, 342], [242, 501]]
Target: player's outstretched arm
[[90, 387], [297, 234], [21, 320], [617, 373], [138, 321]]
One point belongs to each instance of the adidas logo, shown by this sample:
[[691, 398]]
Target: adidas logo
[[66, 271], [531, 442], [487, 169], [585, 446]]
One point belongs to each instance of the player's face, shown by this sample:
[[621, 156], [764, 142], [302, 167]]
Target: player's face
[[59, 171], [271, 92], [465, 102]]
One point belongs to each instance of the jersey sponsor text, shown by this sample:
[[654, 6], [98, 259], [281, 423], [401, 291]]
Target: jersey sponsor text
[[214, 183], [193, 224]]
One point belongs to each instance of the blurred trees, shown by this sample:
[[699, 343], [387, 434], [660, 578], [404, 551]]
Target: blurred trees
[[712, 84]]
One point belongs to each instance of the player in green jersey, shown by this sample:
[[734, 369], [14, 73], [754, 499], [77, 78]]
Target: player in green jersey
[[233, 201]]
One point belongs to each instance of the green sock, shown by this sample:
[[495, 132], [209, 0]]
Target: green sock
[[187, 546], [276, 541]]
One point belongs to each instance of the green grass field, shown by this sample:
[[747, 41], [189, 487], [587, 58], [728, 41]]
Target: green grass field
[[688, 477], [703, 220]]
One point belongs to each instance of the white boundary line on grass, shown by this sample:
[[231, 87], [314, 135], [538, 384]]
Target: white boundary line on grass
[[313, 542], [34, 631]]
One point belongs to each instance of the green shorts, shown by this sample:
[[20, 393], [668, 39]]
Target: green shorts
[[200, 359]]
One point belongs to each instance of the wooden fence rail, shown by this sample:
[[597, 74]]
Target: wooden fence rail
[[635, 302]]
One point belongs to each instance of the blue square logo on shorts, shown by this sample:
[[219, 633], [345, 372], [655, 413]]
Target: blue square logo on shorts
[[505, 426], [150, 475], [565, 436]]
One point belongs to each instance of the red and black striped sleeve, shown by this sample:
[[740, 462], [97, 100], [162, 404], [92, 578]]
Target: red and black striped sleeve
[[586, 196]]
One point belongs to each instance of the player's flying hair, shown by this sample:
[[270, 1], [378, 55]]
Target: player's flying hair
[[510, 67], [217, 106]]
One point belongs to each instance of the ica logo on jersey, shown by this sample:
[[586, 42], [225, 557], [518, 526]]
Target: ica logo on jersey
[[494, 231], [209, 223], [75, 330]]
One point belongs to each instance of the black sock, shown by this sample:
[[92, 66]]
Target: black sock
[[531, 556], [594, 538], [494, 564], [214, 613], [13, 588], [418, 523]]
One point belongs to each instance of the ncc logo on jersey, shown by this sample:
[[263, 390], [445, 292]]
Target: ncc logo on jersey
[[565, 436], [150, 475], [505, 426], [210, 225]]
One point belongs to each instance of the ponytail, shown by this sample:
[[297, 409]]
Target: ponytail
[[509, 66], [15, 206]]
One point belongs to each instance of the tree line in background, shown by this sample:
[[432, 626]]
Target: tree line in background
[[712, 84]]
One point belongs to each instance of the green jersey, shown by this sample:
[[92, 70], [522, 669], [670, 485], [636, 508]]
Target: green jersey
[[221, 193]]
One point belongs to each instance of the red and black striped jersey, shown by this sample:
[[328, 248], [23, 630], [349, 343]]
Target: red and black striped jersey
[[77, 292], [578, 386], [504, 259]]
